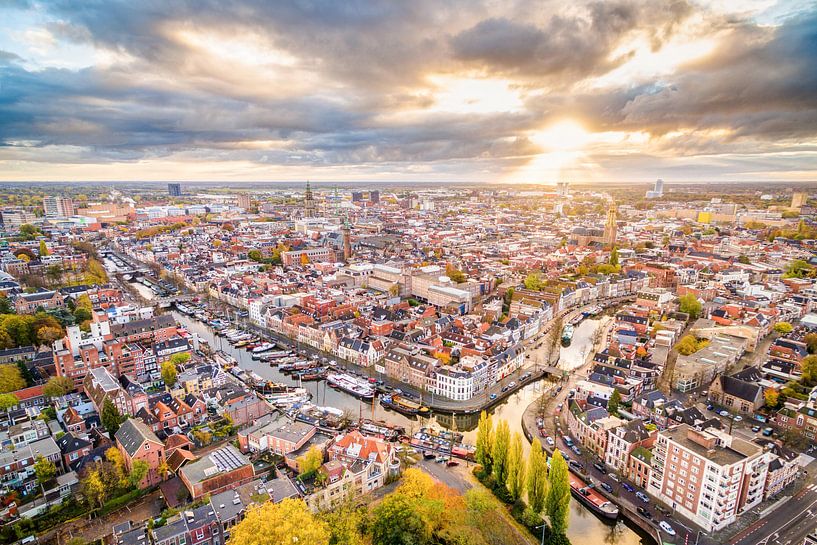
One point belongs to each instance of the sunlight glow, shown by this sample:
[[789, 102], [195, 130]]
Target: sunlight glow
[[474, 95], [564, 135]]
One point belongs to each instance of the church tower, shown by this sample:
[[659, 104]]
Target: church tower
[[610, 226], [309, 203], [347, 240]]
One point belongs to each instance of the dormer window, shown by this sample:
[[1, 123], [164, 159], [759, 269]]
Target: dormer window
[[147, 446]]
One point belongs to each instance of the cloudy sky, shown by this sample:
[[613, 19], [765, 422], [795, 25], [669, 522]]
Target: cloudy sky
[[498, 91]]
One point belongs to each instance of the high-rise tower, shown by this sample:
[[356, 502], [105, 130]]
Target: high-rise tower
[[309, 203], [610, 226], [347, 240]]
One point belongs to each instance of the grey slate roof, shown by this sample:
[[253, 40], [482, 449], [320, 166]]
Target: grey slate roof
[[133, 433]]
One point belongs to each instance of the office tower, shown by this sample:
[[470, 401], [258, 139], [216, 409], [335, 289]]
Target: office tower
[[58, 207], [174, 190]]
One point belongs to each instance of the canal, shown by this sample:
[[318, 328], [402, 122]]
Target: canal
[[584, 527]]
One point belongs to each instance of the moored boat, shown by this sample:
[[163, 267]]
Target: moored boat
[[403, 405], [352, 385], [591, 499], [567, 335]]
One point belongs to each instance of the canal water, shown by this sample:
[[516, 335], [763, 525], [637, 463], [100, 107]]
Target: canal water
[[585, 527]]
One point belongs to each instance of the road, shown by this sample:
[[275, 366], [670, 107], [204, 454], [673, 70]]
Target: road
[[787, 525]]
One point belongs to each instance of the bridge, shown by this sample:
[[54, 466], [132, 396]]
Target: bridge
[[170, 300]]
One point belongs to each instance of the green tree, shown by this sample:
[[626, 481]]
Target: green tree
[[690, 305], [44, 469], [180, 358], [7, 401], [110, 417], [516, 467], [11, 379], [557, 503], [533, 282], [5, 305], [784, 328], [310, 461], [499, 451], [485, 440], [744, 259], [28, 231], [43, 249], [797, 269], [537, 478], [138, 472], [397, 521], [169, 374], [614, 402], [614, 257], [58, 386]]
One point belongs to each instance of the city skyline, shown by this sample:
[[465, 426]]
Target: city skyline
[[375, 92]]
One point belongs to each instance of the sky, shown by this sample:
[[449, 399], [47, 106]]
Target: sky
[[426, 90]]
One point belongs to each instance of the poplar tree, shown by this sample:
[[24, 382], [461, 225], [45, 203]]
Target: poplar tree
[[557, 503], [516, 467], [499, 451], [537, 478], [485, 442]]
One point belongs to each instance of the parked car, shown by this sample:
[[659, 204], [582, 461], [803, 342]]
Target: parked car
[[493, 396], [644, 513], [576, 450], [452, 463], [710, 407], [613, 477], [512, 384], [628, 487], [723, 413], [600, 467], [607, 487], [767, 432], [642, 496], [573, 464], [737, 418], [666, 527], [755, 429], [550, 441]]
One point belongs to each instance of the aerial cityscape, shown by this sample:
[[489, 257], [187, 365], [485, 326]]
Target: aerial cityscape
[[428, 273]]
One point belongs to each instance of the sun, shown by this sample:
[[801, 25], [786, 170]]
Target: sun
[[565, 135]]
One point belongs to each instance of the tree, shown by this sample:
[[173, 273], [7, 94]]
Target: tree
[[169, 373], [797, 269], [516, 467], [499, 451], [180, 358], [7, 401], [11, 379], [110, 417], [396, 521], [309, 463], [58, 386], [115, 458], [772, 398], [138, 472], [557, 503], [744, 259], [614, 257], [811, 342], [537, 478], [689, 345], [48, 334], [689, 304], [93, 486], [5, 305], [456, 275], [614, 402], [345, 523], [784, 328], [533, 282], [289, 521], [43, 249], [28, 231], [304, 260], [808, 367], [485, 440], [44, 469]]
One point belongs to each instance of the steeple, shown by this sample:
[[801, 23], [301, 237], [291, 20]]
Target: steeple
[[309, 202], [610, 227]]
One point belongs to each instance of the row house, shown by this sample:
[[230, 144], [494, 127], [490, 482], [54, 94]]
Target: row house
[[100, 385], [360, 352], [136, 441]]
